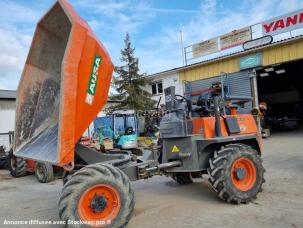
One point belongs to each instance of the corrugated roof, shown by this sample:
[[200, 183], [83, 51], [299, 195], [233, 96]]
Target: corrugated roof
[[241, 52], [8, 94]]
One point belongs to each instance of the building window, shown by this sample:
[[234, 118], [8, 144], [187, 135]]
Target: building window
[[154, 88], [160, 89], [157, 88]]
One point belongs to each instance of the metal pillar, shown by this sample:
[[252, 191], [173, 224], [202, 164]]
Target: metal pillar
[[255, 100]]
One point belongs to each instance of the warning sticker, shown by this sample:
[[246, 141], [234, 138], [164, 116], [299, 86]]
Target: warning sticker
[[175, 149]]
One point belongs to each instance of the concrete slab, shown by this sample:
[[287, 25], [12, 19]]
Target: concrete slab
[[160, 202]]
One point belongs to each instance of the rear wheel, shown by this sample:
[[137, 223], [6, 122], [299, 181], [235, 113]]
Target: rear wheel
[[99, 195], [16, 165], [236, 173], [3, 158], [44, 172], [3, 163]]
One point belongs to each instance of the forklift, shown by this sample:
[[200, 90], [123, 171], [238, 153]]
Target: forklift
[[64, 85]]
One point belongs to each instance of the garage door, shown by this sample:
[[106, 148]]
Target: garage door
[[238, 84]]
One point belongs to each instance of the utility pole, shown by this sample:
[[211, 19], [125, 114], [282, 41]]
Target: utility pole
[[182, 48]]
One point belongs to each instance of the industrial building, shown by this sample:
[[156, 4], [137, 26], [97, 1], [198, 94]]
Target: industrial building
[[7, 114], [263, 61]]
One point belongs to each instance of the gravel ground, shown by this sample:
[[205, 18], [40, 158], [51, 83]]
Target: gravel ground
[[160, 202]]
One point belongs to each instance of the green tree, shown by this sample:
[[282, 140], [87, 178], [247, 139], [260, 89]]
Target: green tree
[[129, 83]]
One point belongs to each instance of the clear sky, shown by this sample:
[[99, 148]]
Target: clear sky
[[154, 26]]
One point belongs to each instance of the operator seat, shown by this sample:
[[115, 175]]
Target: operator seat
[[129, 131]]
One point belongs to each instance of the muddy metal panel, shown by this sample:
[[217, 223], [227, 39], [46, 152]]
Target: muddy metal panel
[[64, 85], [183, 148]]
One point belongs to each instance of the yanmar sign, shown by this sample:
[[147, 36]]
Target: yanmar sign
[[285, 23]]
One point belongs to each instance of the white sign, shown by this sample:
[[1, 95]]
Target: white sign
[[205, 48], [283, 23], [235, 38]]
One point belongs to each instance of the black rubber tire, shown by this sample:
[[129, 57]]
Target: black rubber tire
[[44, 172], [16, 165], [3, 163], [3, 158], [182, 178], [66, 176], [220, 169], [92, 175]]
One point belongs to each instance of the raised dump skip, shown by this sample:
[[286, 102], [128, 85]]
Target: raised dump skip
[[64, 85], [39, 93]]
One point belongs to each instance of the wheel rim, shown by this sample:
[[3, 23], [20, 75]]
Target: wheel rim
[[243, 174], [99, 205], [13, 162]]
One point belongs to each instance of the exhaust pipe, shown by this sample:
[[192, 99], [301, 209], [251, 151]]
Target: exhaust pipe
[[218, 130]]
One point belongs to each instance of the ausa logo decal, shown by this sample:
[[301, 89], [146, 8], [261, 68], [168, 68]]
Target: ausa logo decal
[[92, 85]]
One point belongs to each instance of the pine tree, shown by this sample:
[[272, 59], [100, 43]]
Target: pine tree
[[129, 83]]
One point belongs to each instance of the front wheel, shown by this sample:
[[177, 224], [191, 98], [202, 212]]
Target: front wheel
[[98, 195], [236, 173]]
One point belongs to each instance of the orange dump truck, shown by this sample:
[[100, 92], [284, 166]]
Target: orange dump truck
[[65, 83]]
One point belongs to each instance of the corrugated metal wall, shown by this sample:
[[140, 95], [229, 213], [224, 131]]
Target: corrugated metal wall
[[212, 69], [238, 85], [283, 53]]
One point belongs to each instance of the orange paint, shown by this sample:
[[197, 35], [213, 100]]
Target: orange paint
[[206, 125], [233, 111], [108, 214], [250, 174], [30, 165]]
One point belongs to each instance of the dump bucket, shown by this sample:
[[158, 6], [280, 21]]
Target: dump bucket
[[64, 84]]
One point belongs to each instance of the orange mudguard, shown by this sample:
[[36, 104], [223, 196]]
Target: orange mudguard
[[64, 84]]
